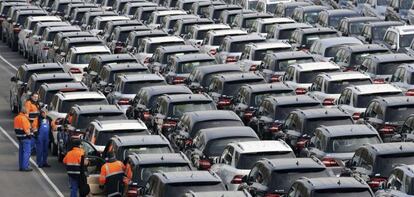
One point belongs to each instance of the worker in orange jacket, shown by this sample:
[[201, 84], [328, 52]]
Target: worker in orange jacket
[[22, 129], [112, 176], [72, 161], [32, 107]]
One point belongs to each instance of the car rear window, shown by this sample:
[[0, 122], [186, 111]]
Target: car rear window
[[103, 137], [29, 73], [309, 76], [313, 123], [214, 123], [178, 109], [214, 148], [283, 111], [384, 164], [66, 105], [282, 179], [363, 100], [147, 149], [257, 98], [343, 192], [336, 87], [231, 88], [187, 67], [179, 189], [247, 160], [84, 119], [148, 170], [348, 144], [134, 86], [398, 113]]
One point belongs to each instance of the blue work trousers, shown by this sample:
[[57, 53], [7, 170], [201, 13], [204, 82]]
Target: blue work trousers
[[24, 153]]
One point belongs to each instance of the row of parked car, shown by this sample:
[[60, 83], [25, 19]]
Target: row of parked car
[[236, 98]]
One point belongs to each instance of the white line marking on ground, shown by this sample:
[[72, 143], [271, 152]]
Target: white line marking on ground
[[59, 193], [7, 62]]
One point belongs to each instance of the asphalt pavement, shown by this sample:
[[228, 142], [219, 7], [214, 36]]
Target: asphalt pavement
[[40, 182]]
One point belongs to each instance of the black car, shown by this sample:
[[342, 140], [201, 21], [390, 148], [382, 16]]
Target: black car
[[47, 91], [373, 32], [244, 21], [135, 37], [146, 98], [353, 26], [192, 122], [351, 57], [300, 125], [250, 97], [176, 184], [224, 87], [273, 177], [169, 108], [139, 168], [209, 143], [118, 39], [285, 9], [308, 14], [201, 77], [162, 54], [387, 114], [334, 186], [111, 25], [218, 193], [99, 61], [399, 182], [284, 31], [144, 13], [214, 11], [274, 65], [331, 18], [302, 39], [54, 50], [375, 162], [36, 80]]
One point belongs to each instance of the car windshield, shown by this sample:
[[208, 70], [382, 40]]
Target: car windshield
[[358, 58], [260, 54], [187, 67], [247, 160], [309, 76], [283, 111], [239, 46], [84, 119], [282, 179], [310, 17], [385, 163], [179, 189], [66, 105], [214, 148], [356, 28], [231, 88], [84, 58], [336, 87], [134, 86], [312, 123], [283, 64], [257, 98], [379, 32], [179, 109], [398, 113], [148, 170], [103, 137], [343, 192], [152, 47], [363, 100], [214, 123], [349, 144]]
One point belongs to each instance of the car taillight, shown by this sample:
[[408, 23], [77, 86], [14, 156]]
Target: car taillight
[[304, 50], [410, 92], [118, 47], [379, 81], [178, 80], [36, 42], [146, 116], [272, 195], [231, 59], [223, 102], [213, 51], [75, 71], [132, 191], [248, 115], [123, 101], [356, 115], [237, 179], [253, 67], [275, 78], [349, 68], [169, 123], [204, 164], [300, 144], [188, 142], [300, 91], [329, 162], [45, 48], [375, 182], [274, 127], [328, 101], [16, 28], [387, 129]]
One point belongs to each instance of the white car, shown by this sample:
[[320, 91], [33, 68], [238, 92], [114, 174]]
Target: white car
[[155, 19], [198, 32], [239, 157], [149, 45], [327, 87], [99, 23], [78, 58], [301, 76], [263, 25]]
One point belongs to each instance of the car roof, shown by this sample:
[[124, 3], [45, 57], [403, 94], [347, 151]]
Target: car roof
[[132, 28], [290, 100], [347, 130], [365, 47], [133, 140], [77, 33], [44, 18], [40, 66], [169, 12], [322, 112], [193, 57], [124, 66], [81, 39], [62, 28], [291, 54], [227, 132], [198, 116], [67, 85], [267, 87], [252, 36], [384, 23], [390, 148], [403, 30], [169, 158], [85, 109], [80, 95], [175, 48], [112, 125], [374, 88], [111, 18], [395, 100], [340, 12], [275, 20], [292, 163], [261, 146], [227, 32], [166, 89], [91, 49], [317, 30], [44, 76], [165, 39], [293, 25], [141, 77], [311, 66], [391, 57], [185, 97], [218, 68], [111, 57], [237, 76], [187, 176], [326, 42], [333, 183], [158, 32], [211, 26], [340, 76], [218, 193], [271, 45], [361, 19], [313, 7]]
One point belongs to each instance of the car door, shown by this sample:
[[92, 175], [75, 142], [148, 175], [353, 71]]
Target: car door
[[93, 168]]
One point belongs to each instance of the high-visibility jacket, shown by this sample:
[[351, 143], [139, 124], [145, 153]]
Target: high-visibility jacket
[[72, 161], [32, 108], [22, 126], [112, 175]]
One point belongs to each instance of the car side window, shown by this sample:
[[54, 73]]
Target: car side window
[[370, 110], [356, 159], [396, 77], [366, 160], [317, 84], [289, 75], [407, 126]]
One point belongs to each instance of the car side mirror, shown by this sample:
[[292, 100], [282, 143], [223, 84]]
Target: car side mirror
[[394, 47], [13, 79], [9, 20]]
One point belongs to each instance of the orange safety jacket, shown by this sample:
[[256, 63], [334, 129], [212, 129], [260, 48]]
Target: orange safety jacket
[[22, 126], [112, 175], [32, 108], [72, 161]]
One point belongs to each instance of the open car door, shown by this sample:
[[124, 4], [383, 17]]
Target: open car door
[[93, 169]]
